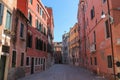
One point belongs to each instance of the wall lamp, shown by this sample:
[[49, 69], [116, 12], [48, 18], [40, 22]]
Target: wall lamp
[[103, 15]]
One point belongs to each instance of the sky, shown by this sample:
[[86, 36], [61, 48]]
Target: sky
[[65, 15]]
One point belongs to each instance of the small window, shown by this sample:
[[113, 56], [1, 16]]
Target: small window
[[30, 18], [14, 59], [103, 1], [22, 59], [92, 13], [8, 20], [109, 58], [27, 61], [31, 1], [21, 30], [107, 29], [94, 37]]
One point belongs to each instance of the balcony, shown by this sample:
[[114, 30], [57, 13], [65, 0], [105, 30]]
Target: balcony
[[93, 48]]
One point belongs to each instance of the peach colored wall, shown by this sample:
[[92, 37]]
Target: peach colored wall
[[97, 24]]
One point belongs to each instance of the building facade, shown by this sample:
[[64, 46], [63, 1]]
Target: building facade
[[24, 37], [6, 13], [74, 45], [99, 24], [65, 48], [36, 56], [58, 52], [50, 35]]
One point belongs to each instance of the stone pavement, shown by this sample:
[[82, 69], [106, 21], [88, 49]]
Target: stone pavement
[[64, 72]]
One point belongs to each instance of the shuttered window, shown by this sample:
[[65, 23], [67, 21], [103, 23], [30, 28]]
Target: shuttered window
[[13, 58], [1, 12], [22, 30], [109, 58], [107, 29], [8, 20]]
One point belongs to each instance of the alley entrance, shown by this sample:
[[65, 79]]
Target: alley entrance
[[64, 72]]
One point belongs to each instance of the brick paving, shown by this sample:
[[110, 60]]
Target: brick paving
[[63, 72]]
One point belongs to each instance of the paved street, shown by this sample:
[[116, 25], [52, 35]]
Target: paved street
[[64, 72]]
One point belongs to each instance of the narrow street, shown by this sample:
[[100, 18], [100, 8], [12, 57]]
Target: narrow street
[[64, 72]]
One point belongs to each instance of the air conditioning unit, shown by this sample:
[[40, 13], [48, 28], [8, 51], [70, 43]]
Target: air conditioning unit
[[92, 48], [118, 42]]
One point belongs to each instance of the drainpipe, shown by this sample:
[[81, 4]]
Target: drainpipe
[[111, 37]]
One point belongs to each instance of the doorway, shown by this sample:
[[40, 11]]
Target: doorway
[[2, 66], [44, 64], [32, 65]]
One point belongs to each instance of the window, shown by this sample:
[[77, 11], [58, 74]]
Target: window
[[40, 25], [44, 31], [14, 59], [92, 13], [31, 1], [39, 61], [22, 59], [1, 12], [95, 60], [94, 39], [44, 61], [36, 61], [29, 41], [38, 8], [109, 58], [41, 12], [107, 29], [37, 24], [27, 61], [30, 18], [40, 44], [8, 20], [21, 30], [44, 46], [37, 43], [91, 60], [103, 1]]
